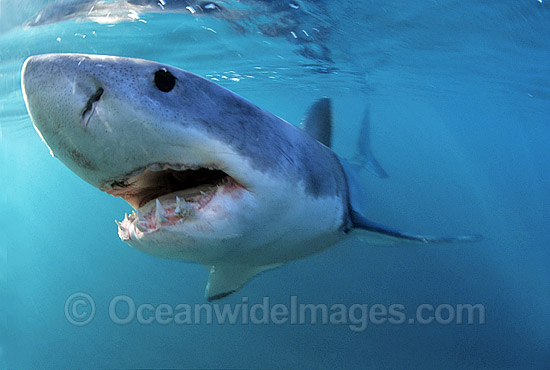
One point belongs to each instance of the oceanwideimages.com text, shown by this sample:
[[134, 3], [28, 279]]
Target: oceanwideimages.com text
[[80, 310]]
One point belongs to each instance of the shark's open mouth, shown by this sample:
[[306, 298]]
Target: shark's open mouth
[[165, 194]]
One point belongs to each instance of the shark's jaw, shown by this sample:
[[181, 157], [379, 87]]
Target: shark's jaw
[[166, 195]]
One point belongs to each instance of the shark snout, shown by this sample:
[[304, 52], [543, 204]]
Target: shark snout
[[38, 70], [52, 74], [50, 84], [29, 74], [63, 97]]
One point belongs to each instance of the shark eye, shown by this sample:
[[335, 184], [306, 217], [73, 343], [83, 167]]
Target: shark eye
[[164, 80]]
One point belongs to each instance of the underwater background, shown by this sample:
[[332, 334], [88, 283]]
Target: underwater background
[[459, 100]]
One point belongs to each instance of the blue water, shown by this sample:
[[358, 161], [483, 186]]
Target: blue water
[[459, 94]]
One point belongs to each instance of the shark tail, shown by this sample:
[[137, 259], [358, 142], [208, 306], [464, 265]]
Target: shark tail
[[364, 157]]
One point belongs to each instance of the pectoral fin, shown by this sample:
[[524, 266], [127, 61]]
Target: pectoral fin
[[361, 222], [380, 234], [226, 279]]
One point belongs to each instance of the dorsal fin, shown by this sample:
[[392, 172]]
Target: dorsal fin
[[318, 121]]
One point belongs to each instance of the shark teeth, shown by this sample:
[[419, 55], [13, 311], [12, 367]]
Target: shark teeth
[[122, 230], [133, 216], [179, 205], [166, 212], [183, 209], [160, 213], [159, 206], [141, 227]]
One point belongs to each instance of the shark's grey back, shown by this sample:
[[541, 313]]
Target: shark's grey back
[[291, 152]]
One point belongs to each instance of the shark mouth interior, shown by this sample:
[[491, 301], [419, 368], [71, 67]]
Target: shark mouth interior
[[164, 195]]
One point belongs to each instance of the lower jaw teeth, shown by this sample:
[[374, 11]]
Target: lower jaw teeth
[[157, 215], [187, 197], [183, 209], [140, 227], [167, 210]]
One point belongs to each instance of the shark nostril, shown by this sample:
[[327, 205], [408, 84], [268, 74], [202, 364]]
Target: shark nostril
[[95, 97], [89, 108]]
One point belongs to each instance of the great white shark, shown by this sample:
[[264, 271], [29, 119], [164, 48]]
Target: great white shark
[[213, 179]]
